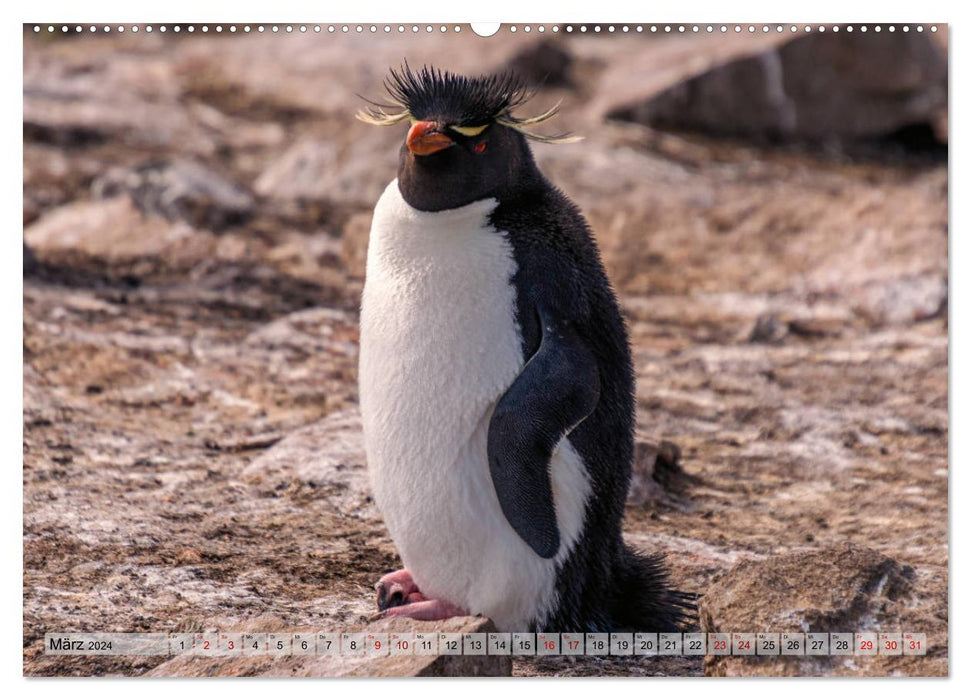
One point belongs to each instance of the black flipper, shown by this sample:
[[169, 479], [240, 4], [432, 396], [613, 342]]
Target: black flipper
[[556, 390]]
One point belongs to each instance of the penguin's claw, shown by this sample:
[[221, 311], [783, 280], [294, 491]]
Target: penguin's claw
[[422, 609], [396, 602], [389, 599], [396, 589]]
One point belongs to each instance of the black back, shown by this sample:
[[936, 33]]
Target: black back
[[549, 235], [603, 585]]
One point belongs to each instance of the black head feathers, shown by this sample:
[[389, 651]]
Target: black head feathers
[[464, 101], [457, 100]]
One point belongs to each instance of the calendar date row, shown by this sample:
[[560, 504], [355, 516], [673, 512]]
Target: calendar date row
[[492, 643]]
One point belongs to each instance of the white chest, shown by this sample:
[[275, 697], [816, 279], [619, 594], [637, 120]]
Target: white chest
[[439, 341], [439, 346]]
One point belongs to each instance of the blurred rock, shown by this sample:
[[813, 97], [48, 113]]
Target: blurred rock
[[318, 170], [774, 328], [656, 473], [299, 172], [53, 177], [827, 87], [940, 126], [354, 242], [181, 191], [308, 255], [905, 300], [30, 261], [768, 329], [31, 210], [836, 589], [111, 227], [128, 101], [546, 63]]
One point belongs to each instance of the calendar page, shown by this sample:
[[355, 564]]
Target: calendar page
[[517, 349]]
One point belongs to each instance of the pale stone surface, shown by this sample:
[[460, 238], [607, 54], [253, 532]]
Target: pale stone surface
[[345, 665], [836, 589]]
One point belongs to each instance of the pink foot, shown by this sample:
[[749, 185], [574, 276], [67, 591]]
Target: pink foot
[[397, 588], [423, 610]]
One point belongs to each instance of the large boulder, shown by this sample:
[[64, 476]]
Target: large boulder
[[837, 589], [181, 190], [547, 63], [323, 170], [833, 86], [112, 228]]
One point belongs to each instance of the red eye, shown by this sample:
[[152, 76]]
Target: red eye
[[480, 147]]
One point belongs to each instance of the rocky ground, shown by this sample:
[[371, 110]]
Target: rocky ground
[[197, 211]]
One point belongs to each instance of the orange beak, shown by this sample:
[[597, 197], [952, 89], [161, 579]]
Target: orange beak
[[425, 138]]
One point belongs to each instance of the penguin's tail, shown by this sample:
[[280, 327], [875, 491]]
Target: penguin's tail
[[643, 598]]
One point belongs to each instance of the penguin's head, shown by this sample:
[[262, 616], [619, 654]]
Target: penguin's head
[[463, 144]]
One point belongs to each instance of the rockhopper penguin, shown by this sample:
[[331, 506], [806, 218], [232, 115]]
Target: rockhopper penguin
[[496, 386]]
